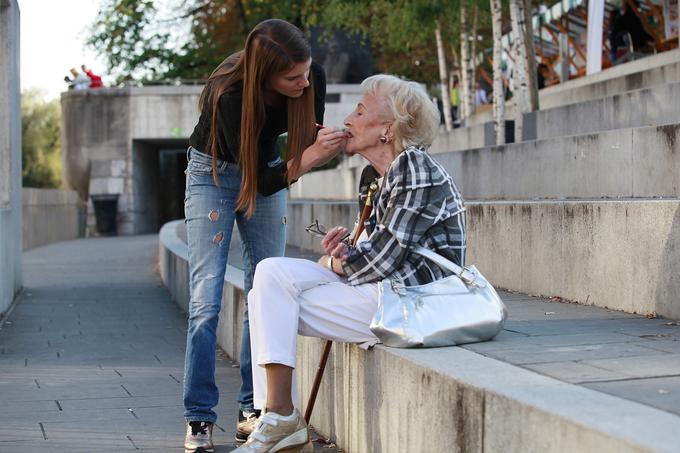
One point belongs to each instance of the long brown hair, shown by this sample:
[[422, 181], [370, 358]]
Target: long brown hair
[[272, 47]]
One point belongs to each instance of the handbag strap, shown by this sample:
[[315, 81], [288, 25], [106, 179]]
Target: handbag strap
[[465, 274]]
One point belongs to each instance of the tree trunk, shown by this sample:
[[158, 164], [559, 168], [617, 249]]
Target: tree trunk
[[465, 92], [455, 66], [242, 16], [456, 75], [473, 46], [532, 66], [498, 98], [520, 73], [443, 73]]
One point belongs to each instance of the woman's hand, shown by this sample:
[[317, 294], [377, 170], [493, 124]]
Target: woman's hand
[[333, 238], [329, 142]]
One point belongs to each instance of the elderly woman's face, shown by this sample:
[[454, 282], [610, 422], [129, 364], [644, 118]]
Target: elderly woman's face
[[365, 125]]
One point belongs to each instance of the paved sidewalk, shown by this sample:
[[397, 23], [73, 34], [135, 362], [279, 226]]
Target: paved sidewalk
[[624, 355], [91, 358]]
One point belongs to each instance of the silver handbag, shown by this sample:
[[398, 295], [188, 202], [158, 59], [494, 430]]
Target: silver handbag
[[461, 308]]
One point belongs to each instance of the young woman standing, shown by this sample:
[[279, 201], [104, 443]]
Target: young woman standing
[[235, 175]]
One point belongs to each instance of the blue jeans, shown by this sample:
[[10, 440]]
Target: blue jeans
[[210, 216]]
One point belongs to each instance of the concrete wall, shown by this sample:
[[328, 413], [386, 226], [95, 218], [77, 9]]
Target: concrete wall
[[615, 254], [103, 132], [111, 138], [10, 155], [51, 215]]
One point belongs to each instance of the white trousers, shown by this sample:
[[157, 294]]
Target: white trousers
[[294, 296]]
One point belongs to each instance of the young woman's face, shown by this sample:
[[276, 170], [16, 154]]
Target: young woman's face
[[364, 125], [293, 82]]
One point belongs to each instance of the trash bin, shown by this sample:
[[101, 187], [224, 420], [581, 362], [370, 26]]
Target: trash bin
[[106, 213]]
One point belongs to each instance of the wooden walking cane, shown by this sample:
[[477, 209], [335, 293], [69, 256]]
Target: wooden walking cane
[[368, 206]]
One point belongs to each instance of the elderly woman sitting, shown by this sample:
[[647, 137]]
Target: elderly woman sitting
[[417, 203]]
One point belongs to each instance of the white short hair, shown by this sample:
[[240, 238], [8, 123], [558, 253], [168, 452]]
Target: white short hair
[[415, 118]]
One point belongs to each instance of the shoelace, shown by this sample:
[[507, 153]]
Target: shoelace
[[266, 419]]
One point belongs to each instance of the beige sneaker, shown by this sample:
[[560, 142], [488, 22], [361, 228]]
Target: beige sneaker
[[199, 438], [277, 434], [246, 424]]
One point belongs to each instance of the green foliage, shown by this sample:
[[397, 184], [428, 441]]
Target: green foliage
[[136, 40], [401, 32], [41, 142], [127, 33]]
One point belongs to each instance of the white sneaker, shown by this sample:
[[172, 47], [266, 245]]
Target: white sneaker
[[275, 433], [199, 438]]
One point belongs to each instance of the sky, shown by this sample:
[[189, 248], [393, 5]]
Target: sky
[[53, 37]]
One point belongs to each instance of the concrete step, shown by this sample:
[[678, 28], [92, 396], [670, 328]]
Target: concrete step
[[631, 109], [646, 72], [636, 108], [634, 162], [560, 378], [618, 254]]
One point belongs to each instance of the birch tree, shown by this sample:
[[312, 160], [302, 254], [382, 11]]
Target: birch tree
[[467, 70], [443, 73], [498, 95], [532, 78], [520, 73]]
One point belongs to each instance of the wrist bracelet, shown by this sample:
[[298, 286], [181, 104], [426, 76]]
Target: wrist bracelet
[[329, 263]]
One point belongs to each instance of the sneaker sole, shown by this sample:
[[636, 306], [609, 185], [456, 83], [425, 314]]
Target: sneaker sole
[[200, 450], [240, 440], [293, 443], [304, 448]]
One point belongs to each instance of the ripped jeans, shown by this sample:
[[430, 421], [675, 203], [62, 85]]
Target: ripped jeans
[[210, 216]]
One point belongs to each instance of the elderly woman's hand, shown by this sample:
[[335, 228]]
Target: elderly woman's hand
[[333, 237]]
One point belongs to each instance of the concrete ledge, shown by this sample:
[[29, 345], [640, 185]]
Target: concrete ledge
[[643, 73], [173, 263], [51, 215], [625, 110], [391, 400], [638, 162], [612, 254]]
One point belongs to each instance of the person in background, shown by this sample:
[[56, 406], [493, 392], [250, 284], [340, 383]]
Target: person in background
[[455, 98], [95, 80], [542, 74], [480, 95], [79, 81], [629, 23]]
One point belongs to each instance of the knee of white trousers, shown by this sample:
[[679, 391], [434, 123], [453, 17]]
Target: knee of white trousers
[[269, 278], [268, 267]]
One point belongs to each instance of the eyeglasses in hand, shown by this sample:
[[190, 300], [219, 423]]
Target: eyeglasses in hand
[[319, 230]]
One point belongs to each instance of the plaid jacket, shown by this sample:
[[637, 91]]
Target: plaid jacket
[[418, 204]]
